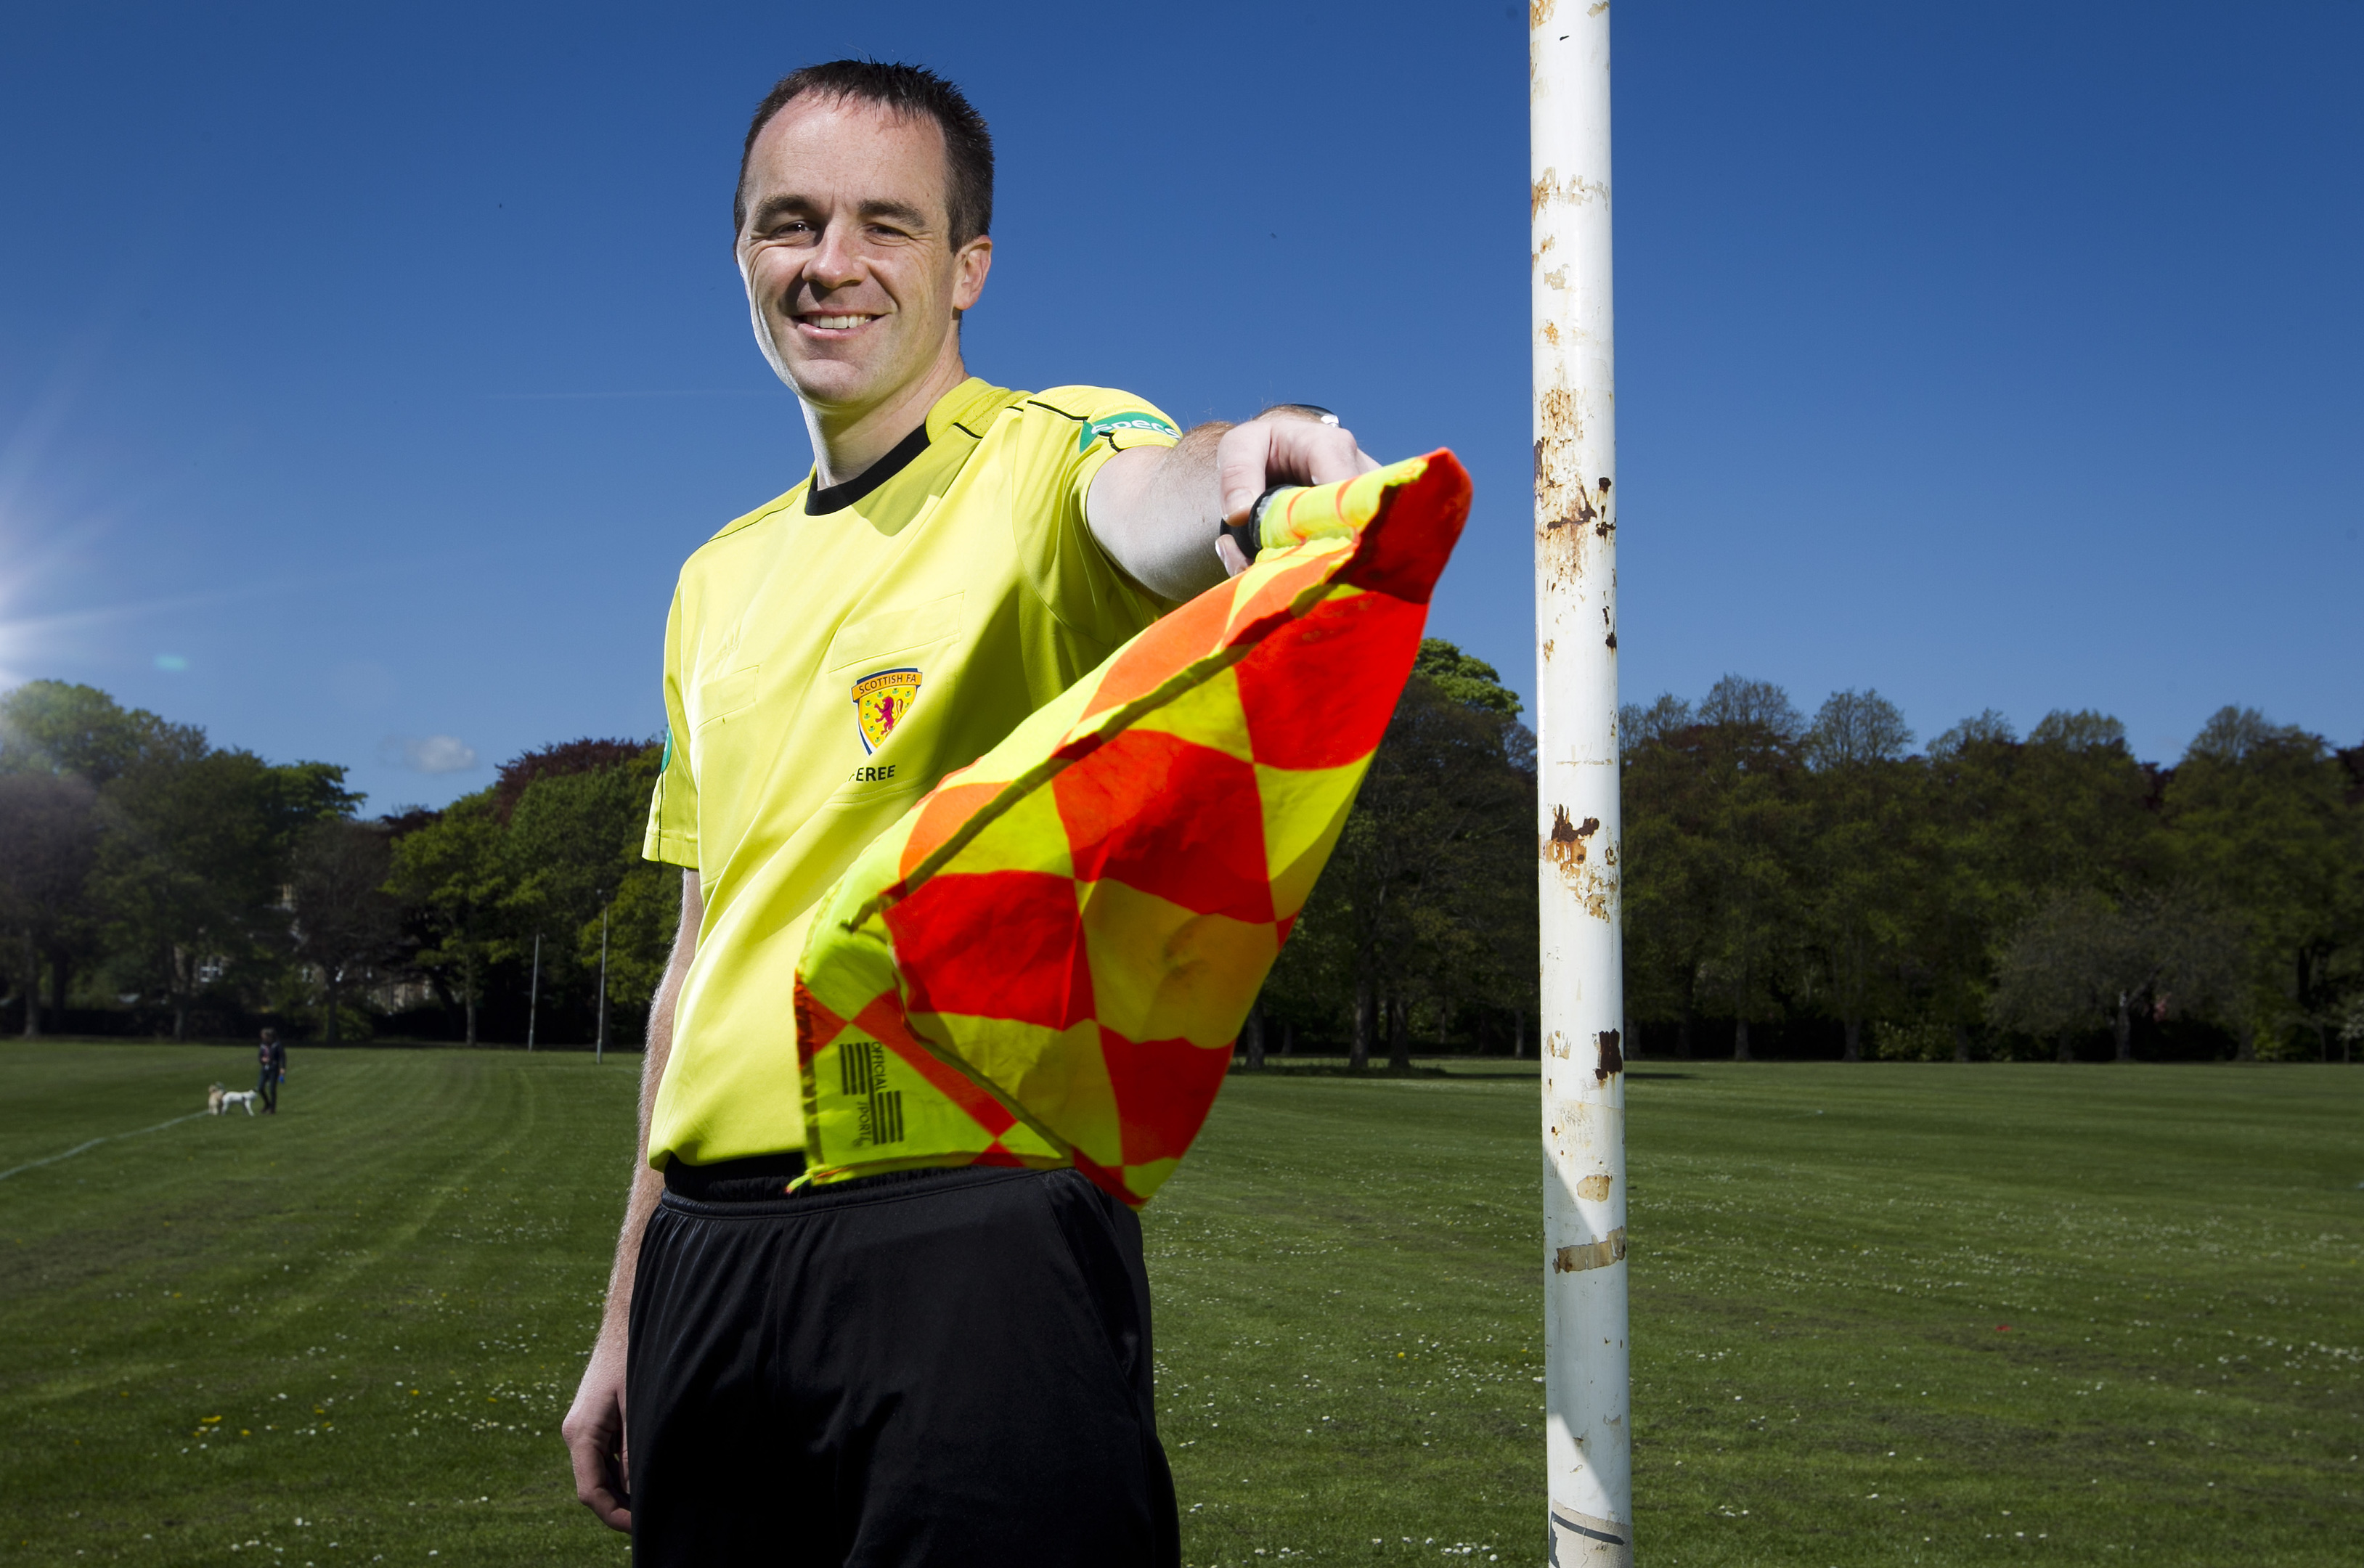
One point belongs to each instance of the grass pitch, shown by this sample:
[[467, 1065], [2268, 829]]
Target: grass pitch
[[368, 1313]]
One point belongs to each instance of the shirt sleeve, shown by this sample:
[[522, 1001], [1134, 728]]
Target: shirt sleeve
[[672, 835], [1070, 432]]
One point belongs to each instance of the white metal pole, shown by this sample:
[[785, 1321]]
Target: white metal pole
[[1587, 1444]]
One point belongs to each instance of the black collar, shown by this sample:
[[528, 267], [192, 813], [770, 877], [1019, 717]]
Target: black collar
[[837, 497]]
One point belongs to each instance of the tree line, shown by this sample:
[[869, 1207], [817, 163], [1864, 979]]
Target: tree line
[[1820, 886], [1792, 887], [152, 882]]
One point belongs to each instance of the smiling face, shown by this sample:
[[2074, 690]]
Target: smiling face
[[852, 279]]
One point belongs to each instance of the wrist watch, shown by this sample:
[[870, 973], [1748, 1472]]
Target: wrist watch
[[1248, 532]]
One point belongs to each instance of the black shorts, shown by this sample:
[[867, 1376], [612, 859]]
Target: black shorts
[[936, 1367]]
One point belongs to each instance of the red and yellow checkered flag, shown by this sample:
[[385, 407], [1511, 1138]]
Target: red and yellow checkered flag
[[1046, 961]]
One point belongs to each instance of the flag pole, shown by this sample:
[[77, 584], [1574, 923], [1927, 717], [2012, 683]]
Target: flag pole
[[1588, 1443]]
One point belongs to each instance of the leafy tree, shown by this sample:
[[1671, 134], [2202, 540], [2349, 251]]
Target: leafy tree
[[2081, 813], [2081, 962], [1458, 678], [2006, 826], [1476, 920], [2262, 821], [568, 758], [1860, 862], [543, 850], [190, 844], [1668, 887], [1961, 839], [1750, 737], [645, 915], [453, 870], [573, 842], [49, 841], [52, 726], [1429, 894], [345, 922], [195, 859]]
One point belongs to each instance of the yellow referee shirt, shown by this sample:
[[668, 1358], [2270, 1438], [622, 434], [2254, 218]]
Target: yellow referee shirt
[[829, 657]]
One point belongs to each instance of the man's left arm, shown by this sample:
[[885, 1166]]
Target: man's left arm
[[1158, 511]]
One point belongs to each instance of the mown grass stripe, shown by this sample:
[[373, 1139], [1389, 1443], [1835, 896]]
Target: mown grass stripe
[[86, 1146]]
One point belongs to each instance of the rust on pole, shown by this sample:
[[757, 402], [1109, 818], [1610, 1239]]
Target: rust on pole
[[1588, 1445]]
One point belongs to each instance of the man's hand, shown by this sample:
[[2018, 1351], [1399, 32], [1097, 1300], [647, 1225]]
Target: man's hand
[[595, 1433], [1284, 445], [1159, 511]]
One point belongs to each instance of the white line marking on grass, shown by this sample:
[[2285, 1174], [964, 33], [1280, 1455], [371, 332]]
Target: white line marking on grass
[[31, 1164]]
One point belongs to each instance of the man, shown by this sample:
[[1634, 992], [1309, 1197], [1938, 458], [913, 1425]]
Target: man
[[272, 1058], [933, 1366]]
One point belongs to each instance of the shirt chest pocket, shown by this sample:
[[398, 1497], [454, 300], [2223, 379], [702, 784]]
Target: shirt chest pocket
[[724, 695], [883, 634]]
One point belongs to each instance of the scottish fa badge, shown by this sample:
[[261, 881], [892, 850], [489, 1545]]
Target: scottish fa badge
[[880, 702]]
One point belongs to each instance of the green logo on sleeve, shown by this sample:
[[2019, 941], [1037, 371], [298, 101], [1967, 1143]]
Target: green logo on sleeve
[[1133, 419]]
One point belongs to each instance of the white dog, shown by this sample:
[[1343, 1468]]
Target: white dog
[[218, 1101]]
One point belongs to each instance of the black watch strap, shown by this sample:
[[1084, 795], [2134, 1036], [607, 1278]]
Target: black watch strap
[[1248, 532]]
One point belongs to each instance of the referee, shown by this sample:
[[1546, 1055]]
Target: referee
[[931, 1366]]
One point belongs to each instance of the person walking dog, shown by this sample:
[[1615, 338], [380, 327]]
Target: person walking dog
[[270, 1055]]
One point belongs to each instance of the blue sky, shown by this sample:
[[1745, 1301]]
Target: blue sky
[[365, 377]]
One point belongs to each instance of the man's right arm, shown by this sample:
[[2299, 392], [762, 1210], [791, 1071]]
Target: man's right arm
[[1158, 510], [595, 1426]]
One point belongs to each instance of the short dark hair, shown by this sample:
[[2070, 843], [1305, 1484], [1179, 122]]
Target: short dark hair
[[913, 92]]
